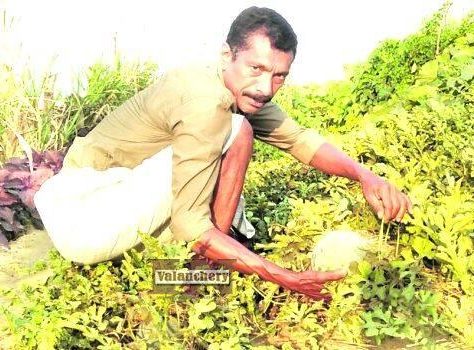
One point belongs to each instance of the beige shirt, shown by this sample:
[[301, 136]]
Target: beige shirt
[[191, 109]]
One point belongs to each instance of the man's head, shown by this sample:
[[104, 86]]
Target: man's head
[[257, 57]]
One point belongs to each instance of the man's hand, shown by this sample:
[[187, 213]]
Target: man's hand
[[311, 283], [386, 200]]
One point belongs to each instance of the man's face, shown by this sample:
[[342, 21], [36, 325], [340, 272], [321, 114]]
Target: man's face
[[256, 73]]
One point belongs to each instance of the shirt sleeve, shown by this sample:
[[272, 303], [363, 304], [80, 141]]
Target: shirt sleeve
[[273, 126], [199, 129]]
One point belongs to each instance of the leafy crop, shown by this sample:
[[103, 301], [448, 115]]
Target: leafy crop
[[414, 127]]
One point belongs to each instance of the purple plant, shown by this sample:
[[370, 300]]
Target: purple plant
[[17, 188]]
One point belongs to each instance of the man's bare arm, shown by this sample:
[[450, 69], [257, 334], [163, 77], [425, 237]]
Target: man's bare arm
[[216, 245], [386, 200]]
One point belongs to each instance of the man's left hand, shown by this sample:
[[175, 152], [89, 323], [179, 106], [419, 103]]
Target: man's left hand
[[384, 198]]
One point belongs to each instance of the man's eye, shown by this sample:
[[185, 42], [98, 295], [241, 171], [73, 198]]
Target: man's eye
[[280, 78], [255, 68]]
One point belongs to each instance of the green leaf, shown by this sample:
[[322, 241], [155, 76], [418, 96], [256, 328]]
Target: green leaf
[[204, 306], [428, 72], [372, 332], [418, 92], [423, 246], [467, 72], [408, 293], [391, 331], [379, 277], [364, 268]]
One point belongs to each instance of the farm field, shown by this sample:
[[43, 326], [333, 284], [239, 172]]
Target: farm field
[[407, 113]]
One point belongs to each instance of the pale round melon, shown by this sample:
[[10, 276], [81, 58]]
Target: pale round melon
[[337, 250]]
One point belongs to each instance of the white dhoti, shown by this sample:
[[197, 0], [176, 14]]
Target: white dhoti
[[93, 215]]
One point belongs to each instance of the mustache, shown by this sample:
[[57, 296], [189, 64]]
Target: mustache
[[258, 98]]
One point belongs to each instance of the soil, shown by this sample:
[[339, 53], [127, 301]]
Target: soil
[[24, 252], [16, 263]]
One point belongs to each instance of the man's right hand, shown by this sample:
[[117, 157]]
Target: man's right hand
[[216, 245], [311, 283]]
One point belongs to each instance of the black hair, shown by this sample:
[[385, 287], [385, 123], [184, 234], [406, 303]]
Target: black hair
[[264, 20]]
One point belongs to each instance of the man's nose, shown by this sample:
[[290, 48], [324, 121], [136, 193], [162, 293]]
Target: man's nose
[[264, 85]]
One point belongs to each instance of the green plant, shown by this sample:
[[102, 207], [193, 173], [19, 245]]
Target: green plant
[[406, 114]]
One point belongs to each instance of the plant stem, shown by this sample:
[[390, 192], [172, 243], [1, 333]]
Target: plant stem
[[398, 241], [380, 240], [387, 232]]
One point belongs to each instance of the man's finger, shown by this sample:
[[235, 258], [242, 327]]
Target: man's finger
[[375, 203], [396, 198], [387, 202], [324, 277], [402, 209]]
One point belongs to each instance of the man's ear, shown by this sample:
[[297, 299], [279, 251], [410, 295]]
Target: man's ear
[[226, 55]]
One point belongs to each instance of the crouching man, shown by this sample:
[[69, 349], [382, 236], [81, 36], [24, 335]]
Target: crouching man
[[178, 152]]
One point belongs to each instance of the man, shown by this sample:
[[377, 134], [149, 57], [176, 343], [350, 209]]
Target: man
[[176, 150]]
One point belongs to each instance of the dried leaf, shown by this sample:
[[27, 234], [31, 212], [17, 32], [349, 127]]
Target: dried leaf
[[3, 175], [27, 197], [6, 198], [39, 176], [16, 164], [17, 180], [7, 214]]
